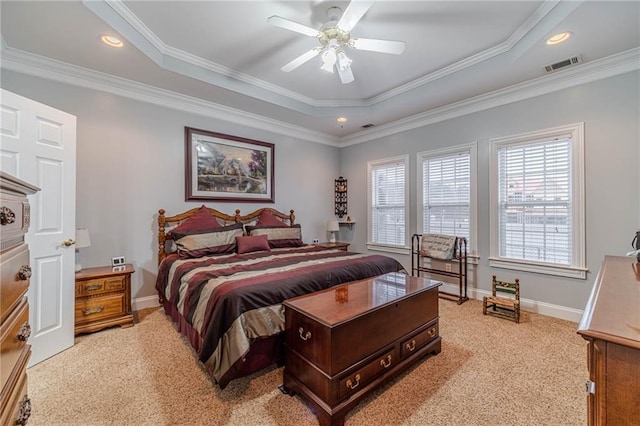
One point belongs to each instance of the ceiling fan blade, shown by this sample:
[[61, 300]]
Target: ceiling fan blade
[[292, 26], [346, 75], [383, 46], [352, 14], [301, 59]]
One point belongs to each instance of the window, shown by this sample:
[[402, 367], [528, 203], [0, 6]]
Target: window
[[388, 196], [538, 202], [447, 193]]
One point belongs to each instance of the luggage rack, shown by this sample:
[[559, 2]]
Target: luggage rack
[[459, 256]]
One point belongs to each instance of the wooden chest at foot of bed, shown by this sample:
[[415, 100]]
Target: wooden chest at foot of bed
[[343, 342]]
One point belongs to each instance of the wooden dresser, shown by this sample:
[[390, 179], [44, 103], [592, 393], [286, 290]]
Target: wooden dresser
[[343, 342], [103, 298], [15, 405], [611, 325]]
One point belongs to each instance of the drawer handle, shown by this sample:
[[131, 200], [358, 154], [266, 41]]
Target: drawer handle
[[7, 216], [96, 310], [305, 336], [24, 333], [24, 412], [25, 272], [411, 346], [352, 385], [431, 332], [93, 287], [386, 364]]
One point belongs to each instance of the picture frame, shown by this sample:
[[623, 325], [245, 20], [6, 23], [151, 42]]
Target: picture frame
[[221, 167], [117, 261]]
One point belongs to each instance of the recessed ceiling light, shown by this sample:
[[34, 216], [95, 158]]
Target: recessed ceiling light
[[558, 38], [341, 119], [111, 41]]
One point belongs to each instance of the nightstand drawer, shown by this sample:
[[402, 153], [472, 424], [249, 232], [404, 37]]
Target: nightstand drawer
[[100, 285], [96, 308]]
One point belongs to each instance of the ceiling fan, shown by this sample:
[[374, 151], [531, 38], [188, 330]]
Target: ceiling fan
[[334, 37]]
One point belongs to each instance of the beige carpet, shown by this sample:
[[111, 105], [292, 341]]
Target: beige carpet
[[490, 372]]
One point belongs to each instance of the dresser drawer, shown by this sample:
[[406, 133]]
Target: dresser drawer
[[96, 308], [419, 340], [14, 282], [100, 286], [359, 379], [18, 406], [14, 333], [14, 221]]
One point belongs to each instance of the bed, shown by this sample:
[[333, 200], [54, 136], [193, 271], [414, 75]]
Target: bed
[[222, 279]]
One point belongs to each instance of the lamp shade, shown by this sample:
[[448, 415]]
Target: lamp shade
[[332, 226], [82, 238]]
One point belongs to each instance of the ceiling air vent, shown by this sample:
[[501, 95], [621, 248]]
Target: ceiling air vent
[[366, 126], [575, 60]]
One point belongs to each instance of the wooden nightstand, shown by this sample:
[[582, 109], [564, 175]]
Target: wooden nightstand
[[337, 245], [103, 298]]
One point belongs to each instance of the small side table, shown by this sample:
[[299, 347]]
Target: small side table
[[103, 298], [336, 245]]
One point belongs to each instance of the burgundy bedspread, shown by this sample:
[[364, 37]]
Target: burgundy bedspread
[[225, 304]]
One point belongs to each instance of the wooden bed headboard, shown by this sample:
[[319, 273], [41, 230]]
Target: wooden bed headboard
[[171, 222]]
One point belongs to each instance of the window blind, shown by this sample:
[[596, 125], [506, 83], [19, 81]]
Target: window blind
[[534, 198], [388, 203], [446, 195]]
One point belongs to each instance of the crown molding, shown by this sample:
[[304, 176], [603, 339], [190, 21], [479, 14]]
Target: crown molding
[[610, 66], [50, 69], [27, 63]]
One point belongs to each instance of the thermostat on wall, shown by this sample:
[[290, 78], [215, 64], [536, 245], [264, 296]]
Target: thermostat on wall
[[117, 261]]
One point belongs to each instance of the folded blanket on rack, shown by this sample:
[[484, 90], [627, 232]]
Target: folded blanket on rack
[[437, 246]]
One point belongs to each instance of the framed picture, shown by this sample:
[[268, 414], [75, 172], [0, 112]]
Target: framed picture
[[222, 167]]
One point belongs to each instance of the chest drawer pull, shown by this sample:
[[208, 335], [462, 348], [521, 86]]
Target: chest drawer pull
[[431, 332], [352, 385], [305, 336], [25, 272], [7, 216], [93, 287], [96, 310], [411, 346], [386, 364], [24, 333], [24, 412]]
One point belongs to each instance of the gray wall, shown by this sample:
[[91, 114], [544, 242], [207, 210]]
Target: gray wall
[[130, 163], [610, 110]]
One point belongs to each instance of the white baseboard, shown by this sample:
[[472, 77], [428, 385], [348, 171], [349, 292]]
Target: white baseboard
[[144, 302], [543, 308]]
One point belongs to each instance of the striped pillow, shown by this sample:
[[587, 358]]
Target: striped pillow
[[247, 244], [279, 237], [210, 241]]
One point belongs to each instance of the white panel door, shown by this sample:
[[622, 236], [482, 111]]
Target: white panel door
[[38, 145]]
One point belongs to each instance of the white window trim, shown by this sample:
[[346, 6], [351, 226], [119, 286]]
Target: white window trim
[[406, 248], [578, 269], [473, 154]]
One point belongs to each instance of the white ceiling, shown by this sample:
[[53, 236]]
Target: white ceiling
[[225, 52]]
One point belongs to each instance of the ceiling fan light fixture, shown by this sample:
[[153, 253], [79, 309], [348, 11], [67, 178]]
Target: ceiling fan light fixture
[[329, 60], [343, 60]]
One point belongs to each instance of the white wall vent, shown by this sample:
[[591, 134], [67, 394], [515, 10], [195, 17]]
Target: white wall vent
[[575, 60]]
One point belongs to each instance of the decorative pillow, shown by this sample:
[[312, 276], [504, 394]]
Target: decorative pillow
[[202, 221], [268, 219], [289, 236], [247, 244], [212, 241]]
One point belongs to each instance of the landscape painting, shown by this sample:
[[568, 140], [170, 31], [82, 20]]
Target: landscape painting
[[222, 167]]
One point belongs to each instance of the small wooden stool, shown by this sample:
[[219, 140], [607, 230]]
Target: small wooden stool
[[500, 306]]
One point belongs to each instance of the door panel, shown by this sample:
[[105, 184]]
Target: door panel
[[39, 146]]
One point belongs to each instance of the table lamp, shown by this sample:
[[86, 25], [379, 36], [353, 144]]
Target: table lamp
[[82, 240], [333, 226]]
